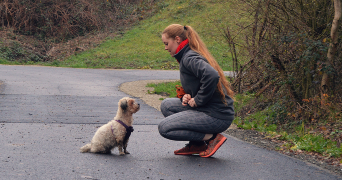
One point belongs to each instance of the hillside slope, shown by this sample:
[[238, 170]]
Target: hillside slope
[[141, 47]]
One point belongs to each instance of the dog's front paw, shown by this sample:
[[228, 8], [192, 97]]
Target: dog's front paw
[[122, 153], [126, 152]]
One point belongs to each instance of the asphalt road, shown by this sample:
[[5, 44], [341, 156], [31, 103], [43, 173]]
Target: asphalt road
[[47, 114]]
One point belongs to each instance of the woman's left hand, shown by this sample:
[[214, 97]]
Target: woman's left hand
[[192, 103], [186, 98]]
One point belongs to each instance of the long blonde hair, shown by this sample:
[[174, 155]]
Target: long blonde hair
[[196, 44]]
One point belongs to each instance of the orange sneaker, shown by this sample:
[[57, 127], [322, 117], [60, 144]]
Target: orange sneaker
[[213, 146], [191, 149]]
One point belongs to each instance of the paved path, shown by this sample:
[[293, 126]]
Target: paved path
[[47, 114]]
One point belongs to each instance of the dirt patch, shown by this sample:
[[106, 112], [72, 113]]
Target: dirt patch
[[138, 89]]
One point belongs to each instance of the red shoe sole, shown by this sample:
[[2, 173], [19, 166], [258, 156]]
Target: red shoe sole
[[218, 145], [188, 153]]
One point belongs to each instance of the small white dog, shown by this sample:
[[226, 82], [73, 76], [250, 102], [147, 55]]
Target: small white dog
[[116, 132]]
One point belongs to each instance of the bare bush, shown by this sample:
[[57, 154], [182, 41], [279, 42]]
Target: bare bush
[[288, 45], [65, 18], [49, 30]]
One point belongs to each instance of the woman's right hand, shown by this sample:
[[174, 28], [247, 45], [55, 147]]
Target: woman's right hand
[[186, 99]]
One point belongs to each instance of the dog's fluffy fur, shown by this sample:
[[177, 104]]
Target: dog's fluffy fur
[[112, 134]]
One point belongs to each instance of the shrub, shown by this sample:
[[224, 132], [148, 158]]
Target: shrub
[[66, 19], [288, 44]]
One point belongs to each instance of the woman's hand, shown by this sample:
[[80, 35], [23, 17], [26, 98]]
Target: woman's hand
[[192, 103], [186, 99]]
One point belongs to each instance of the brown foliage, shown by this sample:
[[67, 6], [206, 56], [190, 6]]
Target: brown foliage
[[288, 46], [63, 18], [49, 30]]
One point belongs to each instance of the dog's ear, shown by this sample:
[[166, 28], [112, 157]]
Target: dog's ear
[[123, 105]]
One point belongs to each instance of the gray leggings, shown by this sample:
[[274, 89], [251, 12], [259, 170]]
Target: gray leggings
[[182, 123]]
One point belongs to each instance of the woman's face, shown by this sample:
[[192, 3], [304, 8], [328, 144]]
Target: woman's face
[[171, 45]]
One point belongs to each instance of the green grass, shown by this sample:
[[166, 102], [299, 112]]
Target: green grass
[[142, 48], [316, 143], [296, 139], [168, 88], [4, 61], [242, 100]]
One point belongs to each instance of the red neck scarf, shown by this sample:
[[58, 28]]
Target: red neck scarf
[[181, 45]]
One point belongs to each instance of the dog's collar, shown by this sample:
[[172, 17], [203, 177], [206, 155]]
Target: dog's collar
[[129, 130]]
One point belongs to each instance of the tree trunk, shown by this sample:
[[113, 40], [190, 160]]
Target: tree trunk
[[333, 43]]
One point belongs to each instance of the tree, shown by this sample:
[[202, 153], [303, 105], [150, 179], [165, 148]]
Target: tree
[[333, 43]]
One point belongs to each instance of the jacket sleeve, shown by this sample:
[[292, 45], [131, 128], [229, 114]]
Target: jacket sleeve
[[207, 75]]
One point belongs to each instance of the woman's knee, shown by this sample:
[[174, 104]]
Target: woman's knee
[[162, 128], [163, 106]]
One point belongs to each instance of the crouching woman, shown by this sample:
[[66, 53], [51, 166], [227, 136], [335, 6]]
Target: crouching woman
[[206, 109]]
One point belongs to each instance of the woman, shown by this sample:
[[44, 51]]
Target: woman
[[206, 109]]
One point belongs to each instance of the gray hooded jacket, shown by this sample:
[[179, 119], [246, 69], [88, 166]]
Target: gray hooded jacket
[[200, 79]]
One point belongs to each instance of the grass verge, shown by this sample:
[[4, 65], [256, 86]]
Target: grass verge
[[168, 88], [297, 137]]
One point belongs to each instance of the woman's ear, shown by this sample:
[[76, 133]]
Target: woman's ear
[[178, 39]]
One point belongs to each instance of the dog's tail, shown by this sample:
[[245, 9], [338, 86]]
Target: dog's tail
[[85, 148]]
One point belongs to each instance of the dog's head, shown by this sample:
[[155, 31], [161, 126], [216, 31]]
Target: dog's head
[[128, 104]]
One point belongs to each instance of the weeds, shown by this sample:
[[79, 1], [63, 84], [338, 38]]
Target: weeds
[[14, 52], [317, 143], [322, 138]]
